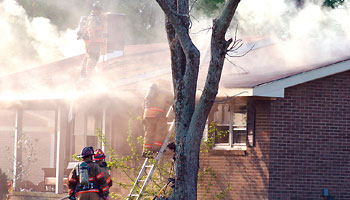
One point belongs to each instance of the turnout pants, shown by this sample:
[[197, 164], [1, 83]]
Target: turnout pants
[[156, 130], [91, 58]]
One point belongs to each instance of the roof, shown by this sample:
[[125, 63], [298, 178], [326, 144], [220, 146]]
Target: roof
[[139, 65], [265, 71]]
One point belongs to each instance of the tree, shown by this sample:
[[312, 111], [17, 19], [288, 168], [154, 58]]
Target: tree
[[130, 165], [3, 185], [190, 119], [208, 7], [143, 22], [333, 3], [28, 158]]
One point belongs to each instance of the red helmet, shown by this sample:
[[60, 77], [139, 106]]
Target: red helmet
[[99, 155]]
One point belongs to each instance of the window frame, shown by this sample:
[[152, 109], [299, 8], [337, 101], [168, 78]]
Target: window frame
[[249, 127]]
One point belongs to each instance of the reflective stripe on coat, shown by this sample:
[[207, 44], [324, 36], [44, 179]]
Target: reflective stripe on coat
[[152, 112]]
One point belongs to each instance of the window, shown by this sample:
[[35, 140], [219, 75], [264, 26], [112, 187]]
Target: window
[[232, 126]]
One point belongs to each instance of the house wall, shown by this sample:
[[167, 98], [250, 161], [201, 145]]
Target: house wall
[[246, 172], [7, 133], [302, 147], [39, 129], [310, 140], [125, 121]]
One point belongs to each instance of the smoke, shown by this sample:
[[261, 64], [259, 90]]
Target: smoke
[[29, 42], [287, 39], [321, 32], [283, 20], [306, 35]]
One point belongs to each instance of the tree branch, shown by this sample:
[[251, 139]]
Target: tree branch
[[192, 54], [223, 21], [180, 21], [175, 17], [239, 67], [219, 48], [194, 2]]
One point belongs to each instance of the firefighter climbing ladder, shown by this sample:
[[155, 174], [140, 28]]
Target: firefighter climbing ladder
[[134, 194]]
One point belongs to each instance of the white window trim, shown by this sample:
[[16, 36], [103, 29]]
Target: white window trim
[[230, 145], [241, 147]]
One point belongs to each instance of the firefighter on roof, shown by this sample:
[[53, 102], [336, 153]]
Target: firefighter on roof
[[99, 158], [87, 181], [92, 33], [156, 104]]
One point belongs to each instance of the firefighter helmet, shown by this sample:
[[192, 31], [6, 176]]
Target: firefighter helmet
[[97, 6], [99, 155], [87, 151]]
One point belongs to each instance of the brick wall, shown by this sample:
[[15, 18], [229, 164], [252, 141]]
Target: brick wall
[[247, 174], [302, 146], [310, 140]]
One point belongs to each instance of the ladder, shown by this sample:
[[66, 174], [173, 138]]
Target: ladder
[[147, 165]]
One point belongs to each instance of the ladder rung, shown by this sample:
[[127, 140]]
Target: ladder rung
[[135, 195], [149, 165]]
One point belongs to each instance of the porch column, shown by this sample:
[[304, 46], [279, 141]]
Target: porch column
[[85, 130], [17, 150], [62, 119], [70, 139], [106, 129], [103, 128]]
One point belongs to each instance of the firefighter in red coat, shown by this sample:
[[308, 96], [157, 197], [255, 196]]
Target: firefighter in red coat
[[156, 104], [94, 40], [99, 159], [87, 181]]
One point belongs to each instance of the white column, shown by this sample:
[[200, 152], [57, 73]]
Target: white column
[[104, 128], [85, 130], [71, 124], [61, 146], [17, 149], [52, 151]]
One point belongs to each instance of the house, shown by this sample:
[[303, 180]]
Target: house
[[62, 116], [288, 127], [282, 120]]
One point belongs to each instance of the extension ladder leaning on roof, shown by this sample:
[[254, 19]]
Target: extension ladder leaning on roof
[[134, 194]]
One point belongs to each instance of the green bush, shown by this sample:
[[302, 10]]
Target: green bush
[[3, 185]]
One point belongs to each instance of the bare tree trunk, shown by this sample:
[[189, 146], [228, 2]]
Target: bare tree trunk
[[190, 120]]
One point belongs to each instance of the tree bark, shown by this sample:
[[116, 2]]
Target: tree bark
[[185, 59]]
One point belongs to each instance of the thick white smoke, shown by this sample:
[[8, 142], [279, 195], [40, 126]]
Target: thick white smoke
[[313, 29], [295, 38], [29, 42], [309, 34], [283, 19]]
